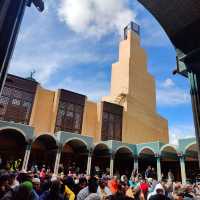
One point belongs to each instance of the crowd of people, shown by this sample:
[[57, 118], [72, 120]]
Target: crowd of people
[[43, 185]]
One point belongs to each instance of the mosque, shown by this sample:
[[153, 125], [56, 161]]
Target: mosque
[[121, 133]]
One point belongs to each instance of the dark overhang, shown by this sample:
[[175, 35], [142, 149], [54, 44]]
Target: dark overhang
[[181, 21]]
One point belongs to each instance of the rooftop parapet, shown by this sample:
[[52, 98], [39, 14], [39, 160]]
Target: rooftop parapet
[[132, 26]]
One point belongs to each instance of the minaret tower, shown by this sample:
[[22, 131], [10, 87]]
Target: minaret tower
[[133, 87]]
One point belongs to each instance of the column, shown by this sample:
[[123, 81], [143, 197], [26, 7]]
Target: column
[[194, 79], [182, 165], [112, 155], [135, 166], [159, 176], [57, 162], [26, 157], [89, 163]]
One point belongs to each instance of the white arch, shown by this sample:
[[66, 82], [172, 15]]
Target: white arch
[[188, 146], [15, 129], [146, 147], [124, 147], [75, 138], [169, 145]]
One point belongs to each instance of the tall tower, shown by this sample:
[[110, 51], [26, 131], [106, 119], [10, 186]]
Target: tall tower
[[134, 88]]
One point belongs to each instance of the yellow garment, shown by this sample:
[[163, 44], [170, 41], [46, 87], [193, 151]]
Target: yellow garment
[[130, 193], [69, 193]]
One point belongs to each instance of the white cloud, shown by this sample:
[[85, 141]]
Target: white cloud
[[95, 17], [180, 131], [168, 94], [168, 83], [42, 48]]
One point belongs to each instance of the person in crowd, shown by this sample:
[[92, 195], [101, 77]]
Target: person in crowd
[[68, 184], [119, 194], [81, 182], [43, 174], [54, 192], [90, 190], [170, 176], [133, 182], [158, 194], [103, 190], [34, 185], [148, 172], [4, 183], [197, 190], [189, 194], [113, 185], [144, 188], [13, 182], [22, 192], [153, 173]]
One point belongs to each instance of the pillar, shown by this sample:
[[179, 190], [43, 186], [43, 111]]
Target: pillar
[[194, 79], [159, 176], [26, 157], [135, 166], [182, 165], [112, 155], [57, 162], [89, 163]]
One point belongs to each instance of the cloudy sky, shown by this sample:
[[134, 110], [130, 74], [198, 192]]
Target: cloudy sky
[[73, 43]]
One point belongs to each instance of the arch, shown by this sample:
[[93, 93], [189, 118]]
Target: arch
[[101, 144], [148, 148], [101, 158], [168, 146], [146, 158], [76, 139], [191, 160], [188, 146], [13, 143], [123, 162], [169, 161], [74, 149], [47, 136], [43, 151], [124, 147], [14, 129]]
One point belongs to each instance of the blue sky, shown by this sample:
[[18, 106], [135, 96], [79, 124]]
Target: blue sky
[[73, 44]]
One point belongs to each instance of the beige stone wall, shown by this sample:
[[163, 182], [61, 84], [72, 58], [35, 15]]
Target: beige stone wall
[[92, 120], [89, 127], [44, 111], [55, 110]]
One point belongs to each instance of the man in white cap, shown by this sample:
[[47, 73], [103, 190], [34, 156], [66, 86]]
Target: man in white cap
[[36, 186]]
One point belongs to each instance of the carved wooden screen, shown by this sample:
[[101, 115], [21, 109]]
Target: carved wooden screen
[[17, 99], [70, 112], [111, 122]]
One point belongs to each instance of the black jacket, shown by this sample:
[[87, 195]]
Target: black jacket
[[159, 197]]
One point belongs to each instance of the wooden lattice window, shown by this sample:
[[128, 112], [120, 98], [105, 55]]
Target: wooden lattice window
[[111, 122], [17, 99], [70, 112]]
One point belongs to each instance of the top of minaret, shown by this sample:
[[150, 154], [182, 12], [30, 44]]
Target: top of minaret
[[132, 26]]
